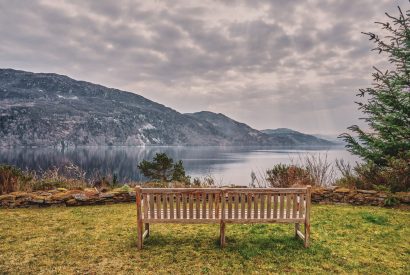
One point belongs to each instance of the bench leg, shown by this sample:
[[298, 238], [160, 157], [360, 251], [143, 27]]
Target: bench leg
[[139, 235], [307, 234], [297, 228], [222, 234], [147, 230]]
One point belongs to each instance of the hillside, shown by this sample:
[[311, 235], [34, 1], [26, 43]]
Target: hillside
[[43, 109], [294, 137]]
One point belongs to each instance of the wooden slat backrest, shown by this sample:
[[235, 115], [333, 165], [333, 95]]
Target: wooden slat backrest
[[223, 203]]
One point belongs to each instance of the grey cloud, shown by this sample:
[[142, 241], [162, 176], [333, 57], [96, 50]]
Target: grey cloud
[[267, 63]]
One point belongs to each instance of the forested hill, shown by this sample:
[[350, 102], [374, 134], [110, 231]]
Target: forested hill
[[42, 109]]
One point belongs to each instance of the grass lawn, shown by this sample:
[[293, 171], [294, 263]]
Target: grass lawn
[[102, 239]]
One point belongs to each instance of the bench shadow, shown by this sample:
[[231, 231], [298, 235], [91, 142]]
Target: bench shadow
[[246, 241]]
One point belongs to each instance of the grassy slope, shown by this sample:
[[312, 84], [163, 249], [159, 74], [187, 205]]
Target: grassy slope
[[102, 239]]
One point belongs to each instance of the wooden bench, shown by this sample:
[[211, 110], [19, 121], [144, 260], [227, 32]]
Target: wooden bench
[[223, 205]]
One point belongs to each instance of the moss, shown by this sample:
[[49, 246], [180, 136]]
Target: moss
[[102, 240]]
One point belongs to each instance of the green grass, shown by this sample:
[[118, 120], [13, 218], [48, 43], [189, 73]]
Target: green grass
[[102, 239]]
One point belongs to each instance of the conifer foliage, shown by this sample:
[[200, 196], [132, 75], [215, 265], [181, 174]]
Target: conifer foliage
[[386, 105]]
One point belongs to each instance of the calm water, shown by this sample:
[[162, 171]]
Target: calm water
[[227, 165]]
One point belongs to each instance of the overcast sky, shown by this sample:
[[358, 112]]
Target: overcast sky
[[280, 63]]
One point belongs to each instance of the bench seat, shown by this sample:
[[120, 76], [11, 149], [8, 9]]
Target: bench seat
[[214, 219]]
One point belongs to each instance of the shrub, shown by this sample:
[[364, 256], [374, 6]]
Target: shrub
[[320, 170], [395, 176], [13, 179], [282, 175]]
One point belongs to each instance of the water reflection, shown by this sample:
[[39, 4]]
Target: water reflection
[[230, 165]]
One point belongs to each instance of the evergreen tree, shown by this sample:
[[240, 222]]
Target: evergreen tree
[[163, 168], [386, 104]]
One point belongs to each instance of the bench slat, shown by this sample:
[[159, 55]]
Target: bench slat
[[236, 213], [268, 206], [288, 205], [151, 206], [242, 206], [184, 206], [275, 206], [171, 206], [197, 206], [295, 206], [211, 206], [191, 206], [145, 201], [255, 205], [230, 196], [178, 205], [203, 206], [302, 206], [281, 205], [217, 202], [158, 204], [249, 208], [165, 205]]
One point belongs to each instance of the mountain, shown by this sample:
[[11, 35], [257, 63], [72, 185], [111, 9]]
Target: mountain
[[236, 132], [45, 109], [294, 137], [331, 138]]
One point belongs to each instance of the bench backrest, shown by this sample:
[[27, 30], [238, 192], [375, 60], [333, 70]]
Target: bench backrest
[[211, 205]]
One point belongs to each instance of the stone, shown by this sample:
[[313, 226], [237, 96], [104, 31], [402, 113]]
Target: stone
[[80, 197], [107, 195], [20, 194], [342, 190], [367, 191], [71, 202], [37, 199], [403, 196], [63, 196], [90, 192], [43, 193], [7, 197]]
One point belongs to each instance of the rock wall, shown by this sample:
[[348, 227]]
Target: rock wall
[[63, 197], [359, 197]]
